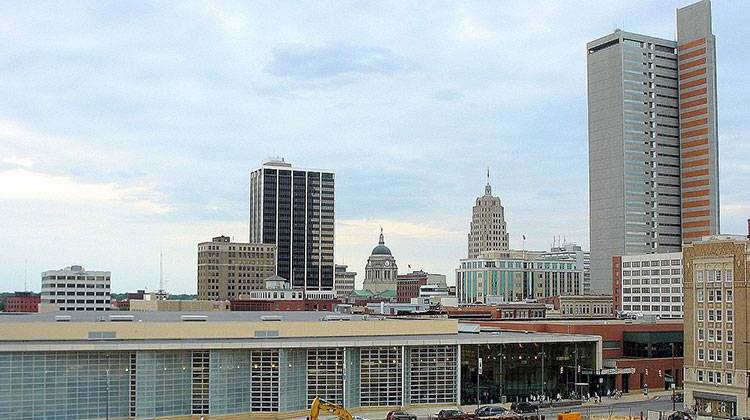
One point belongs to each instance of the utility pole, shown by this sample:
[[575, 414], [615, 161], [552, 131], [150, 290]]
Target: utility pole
[[542, 354], [575, 371], [479, 372], [674, 382]]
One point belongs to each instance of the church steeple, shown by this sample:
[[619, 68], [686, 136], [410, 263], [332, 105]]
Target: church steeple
[[488, 188]]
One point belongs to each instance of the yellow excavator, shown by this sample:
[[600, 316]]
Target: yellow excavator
[[337, 410]]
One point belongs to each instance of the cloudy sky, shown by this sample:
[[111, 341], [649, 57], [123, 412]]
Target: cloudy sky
[[129, 128]]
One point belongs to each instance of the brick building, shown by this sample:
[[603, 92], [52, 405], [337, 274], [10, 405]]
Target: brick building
[[23, 302]]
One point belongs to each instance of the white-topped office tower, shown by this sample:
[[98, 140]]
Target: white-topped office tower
[[653, 154], [487, 231], [293, 208], [76, 289]]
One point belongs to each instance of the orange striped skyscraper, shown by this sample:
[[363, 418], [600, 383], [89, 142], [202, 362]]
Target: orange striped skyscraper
[[653, 150], [699, 151]]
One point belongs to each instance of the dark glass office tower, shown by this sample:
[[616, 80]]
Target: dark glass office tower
[[293, 208]]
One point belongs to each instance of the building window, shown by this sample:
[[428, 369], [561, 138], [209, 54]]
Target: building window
[[700, 376], [710, 356], [730, 356], [730, 378], [730, 315], [701, 354], [700, 314], [700, 335], [730, 296], [699, 295], [730, 336], [728, 276], [380, 376], [710, 373]]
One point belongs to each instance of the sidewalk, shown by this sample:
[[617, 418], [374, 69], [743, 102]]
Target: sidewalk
[[631, 397]]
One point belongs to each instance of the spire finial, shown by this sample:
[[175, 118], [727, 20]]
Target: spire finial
[[487, 188], [382, 240]]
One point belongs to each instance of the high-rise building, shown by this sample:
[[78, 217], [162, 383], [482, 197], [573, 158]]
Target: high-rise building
[[716, 325], [653, 171], [699, 146], [75, 289], [381, 270], [228, 269], [488, 231], [293, 208], [343, 281]]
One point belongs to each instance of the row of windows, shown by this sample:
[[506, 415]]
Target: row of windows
[[79, 278], [639, 290], [714, 276], [716, 377], [655, 299], [675, 280], [716, 315], [652, 308], [716, 335], [654, 263], [714, 295], [76, 285], [716, 355], [663, 272]]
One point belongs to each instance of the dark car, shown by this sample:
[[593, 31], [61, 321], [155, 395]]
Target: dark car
[[400, 415], [523, 407], [490, 411], [680, 415], [453, 414], [679, 397]]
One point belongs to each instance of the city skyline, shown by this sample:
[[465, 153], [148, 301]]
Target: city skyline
[[389, 112]]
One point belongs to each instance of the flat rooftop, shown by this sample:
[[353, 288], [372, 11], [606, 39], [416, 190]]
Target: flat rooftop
[[177, 316], [676, 321]]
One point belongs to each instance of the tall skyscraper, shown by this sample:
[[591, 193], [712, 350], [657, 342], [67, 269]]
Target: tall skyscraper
[[488, 231], [653, 176], [699, 146], [293, 208]]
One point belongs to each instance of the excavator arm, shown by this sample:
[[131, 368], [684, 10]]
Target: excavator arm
[[319, 405]]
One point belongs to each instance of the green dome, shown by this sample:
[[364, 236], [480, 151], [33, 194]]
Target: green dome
[[381, 249]]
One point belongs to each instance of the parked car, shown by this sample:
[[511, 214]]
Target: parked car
[[400, 415], [453, 414], [680, 415], [360, 418], [679, 397], [523, 407], [490, 411]]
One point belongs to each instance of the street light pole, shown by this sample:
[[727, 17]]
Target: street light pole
[[543, 392], [674, 382]]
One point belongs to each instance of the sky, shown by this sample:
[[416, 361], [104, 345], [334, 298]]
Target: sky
[[129, 128]]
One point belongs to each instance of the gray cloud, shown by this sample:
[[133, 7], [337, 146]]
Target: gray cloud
[[305, 62]]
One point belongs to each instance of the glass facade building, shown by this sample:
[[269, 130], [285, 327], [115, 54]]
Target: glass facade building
[[293, 208], [153, 365], [80, 385]]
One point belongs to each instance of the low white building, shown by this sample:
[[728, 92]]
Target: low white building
[[651, 284], [75, 289]]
